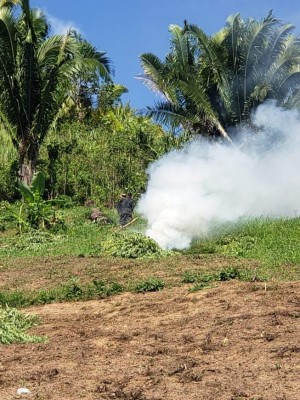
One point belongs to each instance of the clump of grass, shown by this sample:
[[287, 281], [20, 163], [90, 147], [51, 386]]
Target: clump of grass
[[132, 245], [14, 326], [228, 274]]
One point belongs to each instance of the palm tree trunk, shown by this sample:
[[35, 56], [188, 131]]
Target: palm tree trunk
[[26, 171], [28, 154]]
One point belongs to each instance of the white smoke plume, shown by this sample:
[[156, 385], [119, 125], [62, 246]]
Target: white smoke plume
[[204, 183]]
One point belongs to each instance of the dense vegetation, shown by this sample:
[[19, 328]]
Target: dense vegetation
[[67, 139]]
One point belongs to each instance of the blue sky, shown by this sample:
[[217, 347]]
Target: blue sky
[[127, 28]]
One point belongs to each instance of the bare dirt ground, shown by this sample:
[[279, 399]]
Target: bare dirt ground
[[234, 341]]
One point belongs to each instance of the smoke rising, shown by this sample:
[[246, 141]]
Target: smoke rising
[[204, 183]]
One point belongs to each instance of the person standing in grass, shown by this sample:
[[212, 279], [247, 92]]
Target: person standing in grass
[[125, 208]]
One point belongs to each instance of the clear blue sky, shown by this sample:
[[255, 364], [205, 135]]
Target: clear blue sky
[[127, 28]]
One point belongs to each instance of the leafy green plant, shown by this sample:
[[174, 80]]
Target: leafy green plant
[[197, 276], [151, 284], [72, 290], [228, 274], [35, 212], [14, 325], [132, 245], [201, 279], [199, 286]]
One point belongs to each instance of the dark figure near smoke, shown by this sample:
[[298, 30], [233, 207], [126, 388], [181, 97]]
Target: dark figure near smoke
[[125, 208]]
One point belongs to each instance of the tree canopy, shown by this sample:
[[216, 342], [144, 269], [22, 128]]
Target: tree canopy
[[210, 83], [37, 75]]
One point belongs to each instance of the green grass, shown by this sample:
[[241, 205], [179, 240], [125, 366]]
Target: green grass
[[74, 290], [258, 249], [82, 237], [275, 243]]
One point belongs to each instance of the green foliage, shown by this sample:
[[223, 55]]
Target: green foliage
[[72, 290], [274, 256], [35, 212], [109, 155], [38, 75], [101, 289], [132, 245], [225, 274], [199, 286], [98, 159], [271, 240], [8, 167], [151, 284], [197, 276], [274, 242], [14, 325], [211, 83], [228, 274], [77, 235]]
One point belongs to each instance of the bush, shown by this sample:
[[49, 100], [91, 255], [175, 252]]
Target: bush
[[150, 285], [132, 245]]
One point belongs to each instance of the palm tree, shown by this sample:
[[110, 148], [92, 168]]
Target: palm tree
[[36, 73], [175, 80], [226, 75], [251, 61]]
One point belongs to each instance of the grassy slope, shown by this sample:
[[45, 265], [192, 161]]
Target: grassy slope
[[39, 267]]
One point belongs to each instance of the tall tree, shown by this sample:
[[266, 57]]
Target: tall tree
[[36, 73], [248, 62], [222, 78], [179, 80]]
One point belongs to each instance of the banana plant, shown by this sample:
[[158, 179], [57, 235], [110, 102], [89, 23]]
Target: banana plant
[[39, 213]]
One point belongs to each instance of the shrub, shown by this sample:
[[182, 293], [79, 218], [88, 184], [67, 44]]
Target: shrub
[[132, 245], [149, 285]]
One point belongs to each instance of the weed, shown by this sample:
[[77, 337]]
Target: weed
[[199, 286], [149, 285], [100, 289], [14, 299], [228, 273], [197, 276], [72, 290]]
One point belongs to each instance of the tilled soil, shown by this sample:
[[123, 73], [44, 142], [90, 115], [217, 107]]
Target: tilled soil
[[233, 341]]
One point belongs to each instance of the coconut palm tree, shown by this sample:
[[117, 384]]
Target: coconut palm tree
[[226, 75], [36, 73]]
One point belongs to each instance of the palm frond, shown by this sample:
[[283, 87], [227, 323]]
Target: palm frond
[[157, 76], [167, 114]]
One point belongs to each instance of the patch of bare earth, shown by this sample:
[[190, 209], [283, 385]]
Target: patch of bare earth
[[231, 342]]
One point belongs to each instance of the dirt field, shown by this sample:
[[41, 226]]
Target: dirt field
[[231, 342]]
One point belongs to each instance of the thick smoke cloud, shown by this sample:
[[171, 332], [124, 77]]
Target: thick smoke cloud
[[204, 184]]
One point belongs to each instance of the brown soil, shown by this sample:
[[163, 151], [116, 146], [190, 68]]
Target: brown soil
[[231, 342]]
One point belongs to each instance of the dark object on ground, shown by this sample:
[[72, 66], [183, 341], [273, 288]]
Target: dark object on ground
[[97, 216]]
